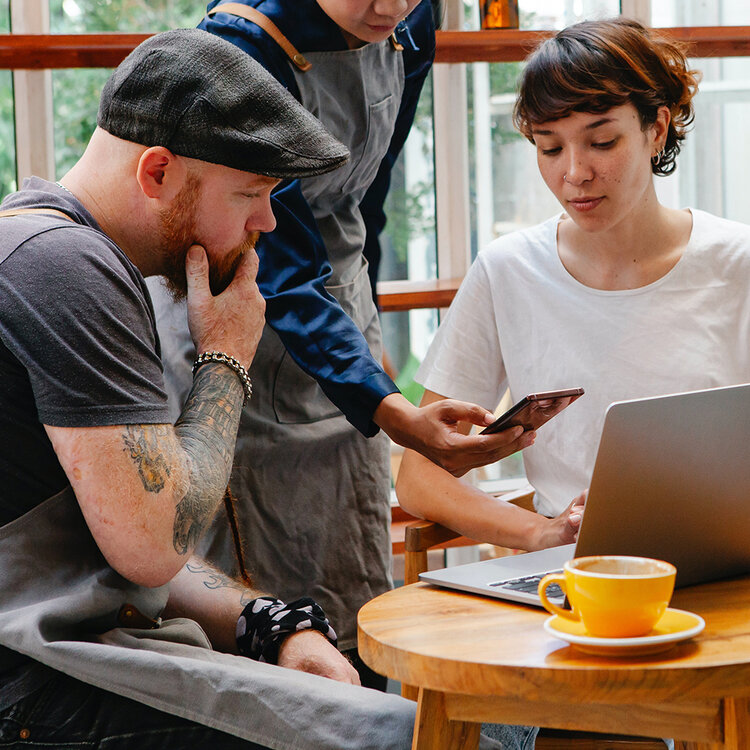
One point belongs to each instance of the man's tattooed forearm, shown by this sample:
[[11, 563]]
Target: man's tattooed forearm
[[213, 409], [213, 579], [190, 519], [146, 449], [207, 430], [206, 434]]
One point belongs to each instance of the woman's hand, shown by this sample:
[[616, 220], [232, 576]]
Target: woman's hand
[[563, 529]]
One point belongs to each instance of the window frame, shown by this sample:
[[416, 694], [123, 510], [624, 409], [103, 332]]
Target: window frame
[[31, 52]]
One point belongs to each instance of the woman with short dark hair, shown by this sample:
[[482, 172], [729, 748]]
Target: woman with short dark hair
[[619, 294]]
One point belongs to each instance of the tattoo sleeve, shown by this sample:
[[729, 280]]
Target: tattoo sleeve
[[215, 579], [204, 449], [207, 431]]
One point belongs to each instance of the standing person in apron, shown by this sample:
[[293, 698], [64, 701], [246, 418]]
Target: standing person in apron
[[313, 488], [102, 500]]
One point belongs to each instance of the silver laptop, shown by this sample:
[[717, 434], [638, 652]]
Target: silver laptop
[[671, 481]]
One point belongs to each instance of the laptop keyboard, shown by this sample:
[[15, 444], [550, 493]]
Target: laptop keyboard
[[530, 585]]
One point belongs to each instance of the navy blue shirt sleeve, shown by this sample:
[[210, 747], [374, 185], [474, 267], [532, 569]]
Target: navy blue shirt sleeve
[[321, 338]]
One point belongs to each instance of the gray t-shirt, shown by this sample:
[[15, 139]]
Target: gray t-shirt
[[78, 348]]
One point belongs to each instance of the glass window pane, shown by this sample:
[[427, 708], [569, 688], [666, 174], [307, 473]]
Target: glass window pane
[[557, 14], [7, 122], [75, 101], [128, 16], [507, 192], [409, 245], [549, 14], [76, 91], [700, 13], [408, 240], [712, 165]]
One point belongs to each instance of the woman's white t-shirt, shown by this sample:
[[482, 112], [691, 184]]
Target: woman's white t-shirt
[[521, 321]]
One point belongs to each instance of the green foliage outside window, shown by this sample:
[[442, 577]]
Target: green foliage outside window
[[410, 212], [76, 91], [129, 16], [7, 129]]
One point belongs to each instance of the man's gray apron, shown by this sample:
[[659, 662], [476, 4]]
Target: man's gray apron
[[60, 605], [313, 493]]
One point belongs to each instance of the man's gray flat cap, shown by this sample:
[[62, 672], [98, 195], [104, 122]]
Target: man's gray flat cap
[[200, 96]]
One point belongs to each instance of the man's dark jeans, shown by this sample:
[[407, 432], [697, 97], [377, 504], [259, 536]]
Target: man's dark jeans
[[69, 714]]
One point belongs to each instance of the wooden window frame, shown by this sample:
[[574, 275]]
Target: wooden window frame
[[44, 52]]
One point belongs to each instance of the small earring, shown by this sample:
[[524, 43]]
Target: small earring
[[565, 178], [656, 159]]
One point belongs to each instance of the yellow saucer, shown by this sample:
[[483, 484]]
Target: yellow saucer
[[675, 625]]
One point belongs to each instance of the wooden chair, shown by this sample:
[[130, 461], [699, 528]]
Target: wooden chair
[[420, 536]]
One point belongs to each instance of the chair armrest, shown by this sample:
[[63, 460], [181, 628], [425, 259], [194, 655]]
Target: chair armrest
[[421, 535]]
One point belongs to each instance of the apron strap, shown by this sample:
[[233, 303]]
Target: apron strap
[[46, 211], [259, 19]]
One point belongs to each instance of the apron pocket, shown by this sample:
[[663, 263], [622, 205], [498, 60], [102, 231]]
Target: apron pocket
[[381, 117]]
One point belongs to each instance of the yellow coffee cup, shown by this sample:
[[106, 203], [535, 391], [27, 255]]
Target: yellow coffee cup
[[615, 596]]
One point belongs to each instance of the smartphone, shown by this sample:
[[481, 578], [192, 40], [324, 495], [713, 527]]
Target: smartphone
[[532, 411]]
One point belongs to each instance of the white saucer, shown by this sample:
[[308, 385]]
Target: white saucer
[[675, 625]]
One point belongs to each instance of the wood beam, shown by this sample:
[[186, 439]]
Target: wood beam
[[412, 295], [106, 50]]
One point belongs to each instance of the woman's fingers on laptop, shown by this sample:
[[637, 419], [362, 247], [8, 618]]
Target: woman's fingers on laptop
[[575, 510], [579, 502], [562, 529]]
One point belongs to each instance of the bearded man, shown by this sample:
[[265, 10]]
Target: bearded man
[[111, 631]]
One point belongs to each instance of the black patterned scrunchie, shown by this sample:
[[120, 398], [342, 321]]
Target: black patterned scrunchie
[[265, 622]]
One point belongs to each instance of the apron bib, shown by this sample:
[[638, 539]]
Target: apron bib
[[314, 512], [60, 606]]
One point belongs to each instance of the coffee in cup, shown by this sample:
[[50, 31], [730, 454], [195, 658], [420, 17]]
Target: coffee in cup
[[615, 596]]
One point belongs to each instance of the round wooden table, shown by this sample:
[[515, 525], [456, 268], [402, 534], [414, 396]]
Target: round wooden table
[[476, 659]]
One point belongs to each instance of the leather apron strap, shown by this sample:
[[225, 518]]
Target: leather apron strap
[[45, 211], [265, 23]]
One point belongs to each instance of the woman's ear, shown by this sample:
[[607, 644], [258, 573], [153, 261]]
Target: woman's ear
[[160, 173], [661, 128]]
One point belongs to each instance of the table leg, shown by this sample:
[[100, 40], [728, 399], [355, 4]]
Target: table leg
[[433, 729], [736, 723], [410, 692], [736, 728]]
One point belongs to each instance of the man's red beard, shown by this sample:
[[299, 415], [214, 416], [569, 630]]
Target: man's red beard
[[179, 233]]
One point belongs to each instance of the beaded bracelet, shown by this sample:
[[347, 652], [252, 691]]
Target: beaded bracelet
[[265, 622], [232, 363]]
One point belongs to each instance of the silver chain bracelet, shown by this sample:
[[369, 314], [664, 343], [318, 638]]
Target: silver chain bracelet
[[232, 363]]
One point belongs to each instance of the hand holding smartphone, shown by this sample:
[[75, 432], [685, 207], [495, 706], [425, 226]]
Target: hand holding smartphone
[[532, 411]]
